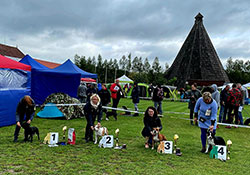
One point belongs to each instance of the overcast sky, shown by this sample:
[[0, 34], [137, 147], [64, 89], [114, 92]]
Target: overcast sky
[[56, 30]]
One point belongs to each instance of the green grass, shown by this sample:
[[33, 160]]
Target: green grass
[[82, 158]]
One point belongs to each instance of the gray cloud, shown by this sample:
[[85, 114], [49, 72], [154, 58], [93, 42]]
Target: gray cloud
[[57, 30]]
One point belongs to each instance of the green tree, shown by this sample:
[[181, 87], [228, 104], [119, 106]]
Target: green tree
[[156, 66], [128, 63], [146, 66]]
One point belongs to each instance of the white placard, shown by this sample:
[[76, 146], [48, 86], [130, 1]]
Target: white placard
[[116, 88], [240, 108], [53, 138], [222, 152], [107, 141], [168, 147]]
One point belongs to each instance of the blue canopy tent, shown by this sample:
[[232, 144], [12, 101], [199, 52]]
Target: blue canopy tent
[[46, 82], [33, 63], [68, 66], [13, 86]]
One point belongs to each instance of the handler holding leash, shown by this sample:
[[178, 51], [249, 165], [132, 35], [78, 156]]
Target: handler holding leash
[[92, 109], [207, 116], [24, 115], [151, 122]]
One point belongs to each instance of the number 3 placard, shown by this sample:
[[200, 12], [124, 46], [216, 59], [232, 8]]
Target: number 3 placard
[[168, 147]]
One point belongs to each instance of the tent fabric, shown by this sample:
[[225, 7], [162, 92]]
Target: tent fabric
[[28, 60], [88, 80], [12, 64], [14, 78], [46, 82], [70, 67], [8, 104], [125, 79], [50, 112]]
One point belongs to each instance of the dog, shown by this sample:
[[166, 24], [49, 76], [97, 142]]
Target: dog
[[157, 137], [99, 131], [161, 147], [213, 140], [29, 132]]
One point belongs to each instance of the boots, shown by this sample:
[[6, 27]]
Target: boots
[[203, 150]]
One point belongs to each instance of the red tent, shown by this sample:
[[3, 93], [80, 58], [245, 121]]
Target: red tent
[[12, 64], [88, 80]]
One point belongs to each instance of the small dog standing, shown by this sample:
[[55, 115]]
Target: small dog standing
[[29, 132], [99, 131], [157, 137], [213, 140]]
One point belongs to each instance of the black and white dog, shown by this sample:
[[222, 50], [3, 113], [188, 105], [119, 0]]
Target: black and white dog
[[213, 140], [29, 132]]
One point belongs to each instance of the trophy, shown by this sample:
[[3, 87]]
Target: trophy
[[229, 144], [176, 137], [116, 139], [64, 137]]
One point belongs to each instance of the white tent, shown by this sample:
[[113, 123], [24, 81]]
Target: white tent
[[246, 85], [125, 79]]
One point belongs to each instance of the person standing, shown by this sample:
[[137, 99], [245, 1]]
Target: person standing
[[151, 122], [193, 96], [223, 102], [216, 94], [105, 98], [92, 110], [82, 92], [243, 95], [135, 97], [24, 115], [234, 99], [158, 96], [90, 91], [116, 94], [207, 108]]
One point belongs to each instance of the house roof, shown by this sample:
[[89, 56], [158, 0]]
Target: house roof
[[10, 51], [197, 60], [48, 64]]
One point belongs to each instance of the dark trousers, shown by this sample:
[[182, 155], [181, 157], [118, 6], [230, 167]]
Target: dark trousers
[[88, 130], [17, 130], [230, 117], [204, 136], [115, 104], [191, 115], [226, 109], [146, 133]]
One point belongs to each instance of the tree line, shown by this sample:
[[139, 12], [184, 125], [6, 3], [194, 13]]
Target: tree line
[[140, 70]]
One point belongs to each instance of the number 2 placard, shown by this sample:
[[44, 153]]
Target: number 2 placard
[[107, 141]]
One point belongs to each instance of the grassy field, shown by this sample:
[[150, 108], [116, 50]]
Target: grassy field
[[87, 158]]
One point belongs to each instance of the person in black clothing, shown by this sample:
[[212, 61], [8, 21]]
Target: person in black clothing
[[135, 97], [223, 102], [92, 109], [24, 115], [90, 91], [105, 98], [193, 96], [151, 122], [157, 98]]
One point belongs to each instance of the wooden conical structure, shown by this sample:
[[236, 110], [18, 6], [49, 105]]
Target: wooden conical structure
[[197, 60]]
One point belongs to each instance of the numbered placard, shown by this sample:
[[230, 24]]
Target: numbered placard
[[107, 141], [222, 152], [165, 147], [53, 138]]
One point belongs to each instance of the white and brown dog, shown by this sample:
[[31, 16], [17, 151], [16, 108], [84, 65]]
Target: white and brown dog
[[157, 137], [99, 132], [213, 140]]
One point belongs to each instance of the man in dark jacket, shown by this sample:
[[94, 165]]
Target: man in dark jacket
[[105, 98], [135, 97], [90, 91], [82, 92], [193, 96], [24, 115], [223, 99], [92, 109], [158, 96]]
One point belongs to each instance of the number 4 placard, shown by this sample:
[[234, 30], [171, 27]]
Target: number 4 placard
[[222, 152]]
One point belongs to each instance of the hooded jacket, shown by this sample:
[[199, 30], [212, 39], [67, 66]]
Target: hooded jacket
[[216, 94]]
